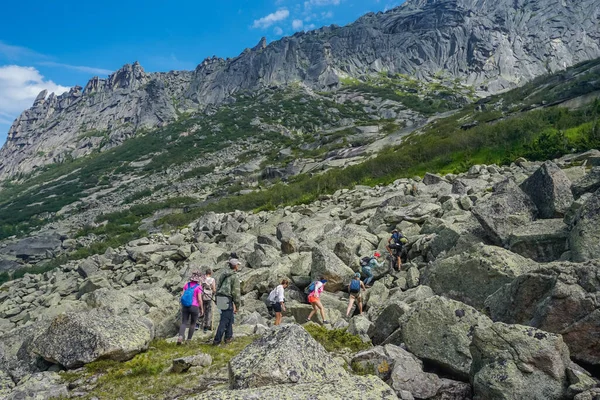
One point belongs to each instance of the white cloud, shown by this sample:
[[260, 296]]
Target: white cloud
[[80, 68], [19, 86], [328, 14], [297, 24], [17, 52], [278, 31], [308, 4], [271, 19]]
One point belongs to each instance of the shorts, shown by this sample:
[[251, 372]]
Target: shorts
[[356, 295], [312, 298], [276, 307], [396, 246]]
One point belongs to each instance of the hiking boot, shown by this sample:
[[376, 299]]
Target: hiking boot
[[325, 322], [179, 340], [227, 341]]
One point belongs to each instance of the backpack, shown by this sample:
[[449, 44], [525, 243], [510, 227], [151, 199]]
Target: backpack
[[311, 287], [207, 292], [187, 299], [365, 261], [354, 286]]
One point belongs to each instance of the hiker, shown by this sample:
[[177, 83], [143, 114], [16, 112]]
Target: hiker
[[354, 288], [228, 301], [191, 306], [396, 243], [314, 299], [209, 288], [277, 300], [368, 263]]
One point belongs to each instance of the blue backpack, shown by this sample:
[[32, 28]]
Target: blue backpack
[[188, 296], [354, 286], [311, 287]]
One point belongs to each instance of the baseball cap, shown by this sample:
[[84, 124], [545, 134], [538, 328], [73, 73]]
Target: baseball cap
[[357, 275], [377, 254], [234, 261]]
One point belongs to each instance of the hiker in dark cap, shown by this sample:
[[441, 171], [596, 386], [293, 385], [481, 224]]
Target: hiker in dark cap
[[228, 301]]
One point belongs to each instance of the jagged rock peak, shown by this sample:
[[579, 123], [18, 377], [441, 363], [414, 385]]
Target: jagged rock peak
[[130, 76]]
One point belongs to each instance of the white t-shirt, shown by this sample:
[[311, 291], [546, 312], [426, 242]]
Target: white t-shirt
[[277, 295]]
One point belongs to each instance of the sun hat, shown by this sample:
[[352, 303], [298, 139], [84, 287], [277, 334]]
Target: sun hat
[[195, 276]]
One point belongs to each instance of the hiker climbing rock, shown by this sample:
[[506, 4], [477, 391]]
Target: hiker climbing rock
[[367, 264], [277, 300], [314, 298], [355, 289], [228, 301], [395, 245], [191, 306]]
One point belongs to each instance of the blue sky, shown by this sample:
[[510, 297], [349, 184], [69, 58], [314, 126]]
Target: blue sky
[[58, 44]]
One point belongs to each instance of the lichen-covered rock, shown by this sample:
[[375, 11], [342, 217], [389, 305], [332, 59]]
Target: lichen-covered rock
[[587, 184], [39, 386], [348, 388], [6, 384], [560, 298], [543, 240], [584, 238], [75, 339], [183, 364], [325, 263], [470, 277], [287, 354], [550, 190], [507, 209], [518, 362], [440, 330]]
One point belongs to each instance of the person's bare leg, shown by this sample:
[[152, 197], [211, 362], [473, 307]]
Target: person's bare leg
[[314, 310], [322, 310], [277, 318], [350, 303], [360, 307]]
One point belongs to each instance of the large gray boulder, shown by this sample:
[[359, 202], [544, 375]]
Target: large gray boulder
[[504, 211], [439, 330], [154, 303], [470, 277], [518, 362], [287, 354], [347, 388], [587, 184], [75, 339], [584, 238], [39, 386], [550, 190], [560, 298], [404, 373], [543, 240], [325, 263], [17, 357]]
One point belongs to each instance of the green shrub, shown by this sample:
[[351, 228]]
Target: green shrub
[[336, 339]]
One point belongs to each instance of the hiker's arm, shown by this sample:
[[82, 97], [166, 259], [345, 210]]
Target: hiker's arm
[[200, 302], [362, 285]]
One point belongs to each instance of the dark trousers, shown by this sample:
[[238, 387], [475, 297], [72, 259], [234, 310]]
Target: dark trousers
[[225, 326], [189, 317]]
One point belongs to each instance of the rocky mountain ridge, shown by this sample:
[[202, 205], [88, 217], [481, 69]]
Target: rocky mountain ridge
[[492, 46], [482, 309]]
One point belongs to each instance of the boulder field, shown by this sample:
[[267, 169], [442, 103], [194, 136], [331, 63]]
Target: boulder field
[[499, 297]]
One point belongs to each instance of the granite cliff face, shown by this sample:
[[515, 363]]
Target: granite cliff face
[[492, 45]]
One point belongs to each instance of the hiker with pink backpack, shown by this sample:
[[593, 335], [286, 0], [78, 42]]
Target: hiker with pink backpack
[[192, 307]]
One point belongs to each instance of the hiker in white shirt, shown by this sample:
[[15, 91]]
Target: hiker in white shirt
[[277, 300]]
